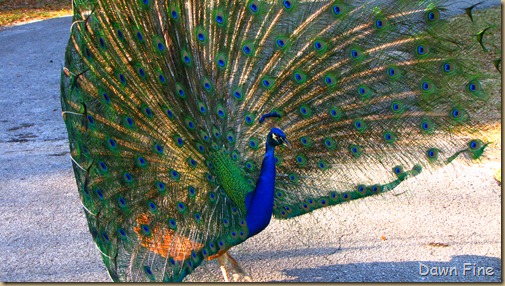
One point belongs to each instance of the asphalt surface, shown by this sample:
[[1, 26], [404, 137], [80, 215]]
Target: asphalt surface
[[448, 219]]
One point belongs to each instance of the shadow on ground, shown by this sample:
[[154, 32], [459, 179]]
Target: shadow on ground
[[463, 268]]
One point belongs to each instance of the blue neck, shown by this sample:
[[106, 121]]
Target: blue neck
[[259, 203]]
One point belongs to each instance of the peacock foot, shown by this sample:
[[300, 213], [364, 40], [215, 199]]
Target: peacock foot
[[242, 277], [234, 269]]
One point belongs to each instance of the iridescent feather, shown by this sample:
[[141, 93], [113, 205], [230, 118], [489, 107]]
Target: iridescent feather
[[165, 105]]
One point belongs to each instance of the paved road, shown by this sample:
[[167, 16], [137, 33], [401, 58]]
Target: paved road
[[44, 237]]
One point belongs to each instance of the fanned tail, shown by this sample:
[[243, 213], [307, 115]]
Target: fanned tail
[[369, 93]]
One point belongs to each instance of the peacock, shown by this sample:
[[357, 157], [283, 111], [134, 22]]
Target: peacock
[[191, 123]]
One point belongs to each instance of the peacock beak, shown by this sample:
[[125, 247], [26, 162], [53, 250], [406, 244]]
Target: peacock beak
[[285, 141]]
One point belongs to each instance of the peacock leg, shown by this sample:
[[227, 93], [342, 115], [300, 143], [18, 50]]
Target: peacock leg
[[238, 274], [223, 270]]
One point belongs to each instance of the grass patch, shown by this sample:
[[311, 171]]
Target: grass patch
[[17, 11]]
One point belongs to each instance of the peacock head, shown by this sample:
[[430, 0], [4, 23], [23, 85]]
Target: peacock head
[[276, 137]]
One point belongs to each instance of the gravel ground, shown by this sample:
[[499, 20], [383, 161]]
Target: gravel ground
[[448, 219]]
